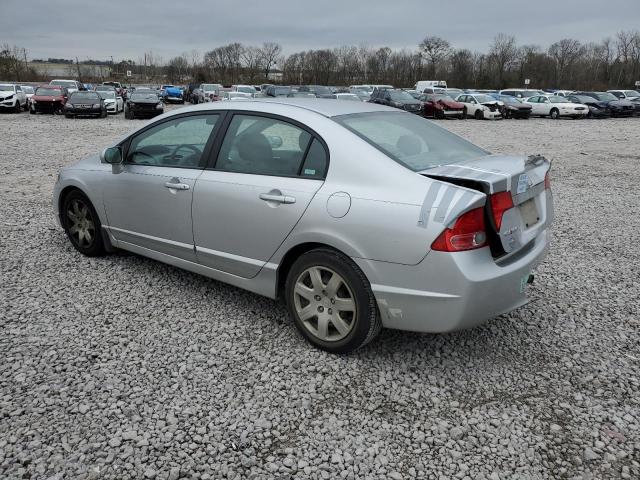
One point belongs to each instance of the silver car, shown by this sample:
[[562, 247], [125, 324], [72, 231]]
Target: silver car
[[360, 216]]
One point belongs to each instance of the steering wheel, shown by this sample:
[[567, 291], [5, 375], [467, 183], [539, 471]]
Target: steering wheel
[[173, 155]]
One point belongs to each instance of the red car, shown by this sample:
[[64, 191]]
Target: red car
[[437, 105], [48, 99]]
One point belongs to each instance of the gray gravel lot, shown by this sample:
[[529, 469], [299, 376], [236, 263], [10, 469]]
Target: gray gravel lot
[[121, 367]]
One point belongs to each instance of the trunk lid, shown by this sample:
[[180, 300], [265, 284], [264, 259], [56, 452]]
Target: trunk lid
[[524, 178]]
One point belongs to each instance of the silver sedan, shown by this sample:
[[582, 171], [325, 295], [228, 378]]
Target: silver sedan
[[359, 216]]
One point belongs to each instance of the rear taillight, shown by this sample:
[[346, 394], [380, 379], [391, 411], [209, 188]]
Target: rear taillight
[[547, 180], [500, 203], [468, 233]]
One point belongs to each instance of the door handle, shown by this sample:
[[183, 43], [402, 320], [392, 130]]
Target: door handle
[[271, 197], [177, 186]]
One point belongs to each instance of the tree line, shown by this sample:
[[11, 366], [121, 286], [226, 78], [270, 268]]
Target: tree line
[[567, 63]]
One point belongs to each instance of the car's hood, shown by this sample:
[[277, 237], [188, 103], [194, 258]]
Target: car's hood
[[450, 103], [6, 94], [621, 103], [519, 106], [92, 162], [144, 100], [493, 102]]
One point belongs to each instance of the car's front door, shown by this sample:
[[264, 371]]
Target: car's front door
[[148, 198], [267, 171]]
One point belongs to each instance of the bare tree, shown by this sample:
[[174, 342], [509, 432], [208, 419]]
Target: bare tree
[[502, 54], [270, 52], [435, 50], [565, 53]]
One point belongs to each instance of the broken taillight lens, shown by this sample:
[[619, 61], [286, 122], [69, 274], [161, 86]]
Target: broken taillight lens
[[468, 233], [500, 203], [547, 181]]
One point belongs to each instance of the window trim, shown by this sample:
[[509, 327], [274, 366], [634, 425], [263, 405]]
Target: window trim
[[215, 151], [222, 114]]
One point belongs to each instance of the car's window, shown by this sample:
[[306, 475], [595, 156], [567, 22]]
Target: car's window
[[175, 143], [264, 146], [409, 140], [557, 99], [315, 163]]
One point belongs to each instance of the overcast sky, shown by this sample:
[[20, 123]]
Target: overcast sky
[[126, 29]]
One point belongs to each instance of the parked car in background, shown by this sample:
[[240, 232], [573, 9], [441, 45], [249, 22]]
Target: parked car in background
[[143, 104], [363, 92], [172, 94], [434, 226], [277, 91], [12, 98], [438, 105], [555, 106], [243, 89], [347, 96], [562, 93], [597, 109], [617, 107], [481, 106], [211, 91], [259, 95], [631, 95], [521, 92], [189, 93], [396, 98], [453, 92], [422, 85], [264, 86], [117, 85], [114, 103], [319, 91], [28, 91], [49, 99], [85, 104], [513, 106], [70, 85]]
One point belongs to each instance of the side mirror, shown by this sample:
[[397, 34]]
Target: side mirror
[[111, 155]]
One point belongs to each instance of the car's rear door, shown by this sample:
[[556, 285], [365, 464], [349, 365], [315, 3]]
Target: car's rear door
[[261, 181], [148, 198]]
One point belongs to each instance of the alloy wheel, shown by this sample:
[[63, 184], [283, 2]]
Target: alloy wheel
[[82, 227], [324, 303]]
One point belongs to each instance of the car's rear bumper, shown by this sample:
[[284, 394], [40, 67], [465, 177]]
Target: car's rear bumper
[[451, 291], [174, 99]]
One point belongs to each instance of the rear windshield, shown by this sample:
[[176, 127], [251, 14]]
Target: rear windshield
[[410, 140], [63, 83]]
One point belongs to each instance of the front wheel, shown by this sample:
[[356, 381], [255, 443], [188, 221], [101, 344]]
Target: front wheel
[[18, 107], [554, 113], [331, 302], [82, 224]]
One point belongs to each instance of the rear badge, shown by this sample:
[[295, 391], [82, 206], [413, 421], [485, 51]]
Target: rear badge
[[523, 183]]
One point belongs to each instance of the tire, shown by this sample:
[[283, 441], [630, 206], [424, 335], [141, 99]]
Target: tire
[[439, 114], [464, 113], [479, 115], [127, 114], [68, 115], [103, 114], [82, 224], [32, 111], [17, 108], [554, 113], [346, 330]]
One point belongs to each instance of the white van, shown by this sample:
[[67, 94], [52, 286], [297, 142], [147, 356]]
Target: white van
[[422, 84]]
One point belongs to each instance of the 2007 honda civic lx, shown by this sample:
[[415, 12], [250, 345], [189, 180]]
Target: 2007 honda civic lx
[[359, 215]]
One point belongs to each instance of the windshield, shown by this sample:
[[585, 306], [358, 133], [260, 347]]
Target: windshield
[[438, 98], [84, 96], [208, 87], [632, 93], [144, 96], [27, 89], [282, 91], [6, 88], [246, 89], [49, 92], [320, 90], [484, 98], [108, 94], [400, 96], [409, 140], [606, 96], [63, 83]]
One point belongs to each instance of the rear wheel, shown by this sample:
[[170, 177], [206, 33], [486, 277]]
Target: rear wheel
[[554, 113], [331, 302], [464, 113], [68, 115], [439, 114], [479, 115], [82, 224]]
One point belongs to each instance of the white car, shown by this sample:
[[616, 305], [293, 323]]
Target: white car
[[347, 96], [521, 93], [481, 106], [555, 106], [244, 89], [626, 94], [235, 96], [113, 102], [12, 97], [72, 85], [563, 93], [28, 91], [210, 90]]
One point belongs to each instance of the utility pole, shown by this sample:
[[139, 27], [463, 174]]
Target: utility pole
[[78, 68]]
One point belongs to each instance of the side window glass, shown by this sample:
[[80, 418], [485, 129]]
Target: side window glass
[[175, 143], [262, 146], [315, 164]]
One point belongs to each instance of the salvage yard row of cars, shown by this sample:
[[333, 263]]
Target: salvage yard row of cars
[[428, 98]]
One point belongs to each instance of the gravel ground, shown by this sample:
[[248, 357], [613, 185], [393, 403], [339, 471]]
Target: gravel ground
[[121, 367]]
